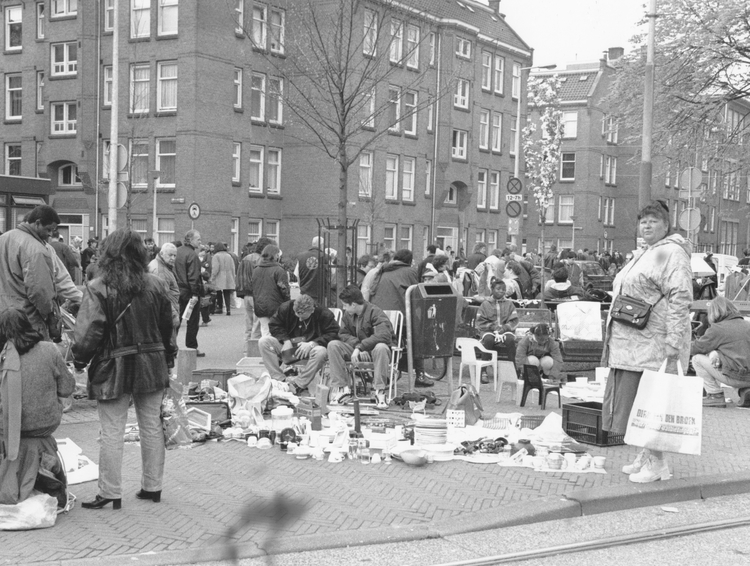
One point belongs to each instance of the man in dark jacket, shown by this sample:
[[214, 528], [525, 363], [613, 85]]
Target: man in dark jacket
[[562, 289], [365, 336], [88, 253], [299, 330], [271, 287], [65, 254], [479, 255], [314, 273], [187, 271], [244, 287]]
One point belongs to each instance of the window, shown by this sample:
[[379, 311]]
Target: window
[[369, 106], [363, 239], [570, 124], [463, 48], [140, 18], [67, 176], [41, 19], [107, 93], [13, 28], [513, 135], [459, 144], [568, 167], [611, 212], [389, 236], [516, 85], [239, 16], [484, 129], [410, 112], [237, 87], [275, 99], [412, 47], [105, 159], [259, 26], [64, 118], [13, 96], [461, 94], [109, 15], [254, 230], [394, 108], [273, 171], [565, 210], [40, 90], [139, 225], [12, 159], [258, 96], [497, 132], [491, 239], [140, 77], [64, 7], [610, 170], [482, 189], [432, 47], [166, 86], [365, 174], [391, 176], [166, 161], [451, 197], [369, 41], [405, 237], [430, 115], [164, 230], [407, 178], [428, 177], [236, 162], [256, 169], [610, 129], [272, 230], [234, 237], [168, 12], [499, 74], [139, 163], [397, 41], [486, 70], [64, 59], [278, 18], [494, 190]]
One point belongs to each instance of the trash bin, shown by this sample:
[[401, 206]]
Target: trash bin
[[433, 320]]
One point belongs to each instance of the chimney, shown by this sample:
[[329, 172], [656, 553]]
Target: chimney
[[494, 5], [614, 53]]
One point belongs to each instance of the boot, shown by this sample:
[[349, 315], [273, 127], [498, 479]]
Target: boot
[[744, 398], [637, 464], [715, 400], [654, 468]]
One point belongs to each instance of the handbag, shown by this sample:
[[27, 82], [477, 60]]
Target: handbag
[[667, 413], [55, 323], [631, 311], [466, 399], [104, 367]]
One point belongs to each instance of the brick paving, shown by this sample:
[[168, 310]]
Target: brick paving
[[226, 492]]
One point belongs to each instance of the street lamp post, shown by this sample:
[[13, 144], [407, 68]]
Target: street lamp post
[[154, 176]]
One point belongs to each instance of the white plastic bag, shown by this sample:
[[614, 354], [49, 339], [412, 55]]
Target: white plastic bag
[[580, 320], [37, 512]]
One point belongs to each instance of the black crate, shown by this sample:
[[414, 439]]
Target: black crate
[[583, 422]]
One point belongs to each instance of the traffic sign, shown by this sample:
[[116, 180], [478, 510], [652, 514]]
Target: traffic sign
[[122, 194], [690, 219], [514, 185], [513, 209], [194, 211], [513, 226], [691, 178], [510, 198], [122, 157]]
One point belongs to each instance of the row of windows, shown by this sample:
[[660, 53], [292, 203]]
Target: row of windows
[[165, 162]]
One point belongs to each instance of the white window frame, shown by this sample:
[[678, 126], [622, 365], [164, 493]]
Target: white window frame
[[66, 125], [391, 176], [452, 196], [164, 15], [431, 115], [611, 129], [275, 100], [389, 236], [140, 88], [107, 90], [486, 71], [161, 83], [410, 112], [162, 156], [394, 104], [234, 235], [237, 82], [563, 162], [396, 52], [164, 230], [497, 132], [610, 170], [259, 31], [428, 178], [365, 174], [65, 67], [565, 209], [513, 134], [41, 20], [239, 16], [499, 73], [459, 144], [62, 8], [364, 238], [236, 162], [463, 48], [40, 91], [432, 42], [412, 46], [105, 159], [260, 93], [256, 159], [140, 18], [570, 124], [272, 229], [71, 170], [109, 15], [12, 93], [612, 211], [254, 229], [484, 128], [494, 190], [369, 121], [405, 237], [482, 189], [273, 171], [277, 27], [461, 94], [11, 160], [370, 33], [516, 84], [13, 17], [139, 157], [408, 176]]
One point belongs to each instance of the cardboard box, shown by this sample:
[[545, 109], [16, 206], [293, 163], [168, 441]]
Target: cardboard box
[[251, 366]]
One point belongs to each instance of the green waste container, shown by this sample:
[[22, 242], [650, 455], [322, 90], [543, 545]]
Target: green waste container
[[433, 320]]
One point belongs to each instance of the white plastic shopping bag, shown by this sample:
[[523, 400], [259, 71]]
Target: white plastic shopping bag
[[580, 320], [667, 414]]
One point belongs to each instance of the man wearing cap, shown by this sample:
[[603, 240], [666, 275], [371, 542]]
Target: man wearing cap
[[538, 349], [299, 330]]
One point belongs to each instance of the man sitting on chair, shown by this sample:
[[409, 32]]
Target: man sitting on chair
[[299, 330], [365, 336], [497, 320], [538, 349]]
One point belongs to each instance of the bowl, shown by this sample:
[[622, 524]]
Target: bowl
[[414, 457]]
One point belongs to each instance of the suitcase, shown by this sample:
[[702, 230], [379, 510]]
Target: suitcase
[[219, 410]]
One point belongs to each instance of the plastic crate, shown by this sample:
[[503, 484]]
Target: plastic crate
[[220, 375], [583, 422], [531, 421]]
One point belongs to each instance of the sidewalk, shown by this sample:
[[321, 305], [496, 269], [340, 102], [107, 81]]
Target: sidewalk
[[223, 497]]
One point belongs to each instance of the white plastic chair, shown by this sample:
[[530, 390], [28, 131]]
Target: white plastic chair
[[469, 358], [338, 314]]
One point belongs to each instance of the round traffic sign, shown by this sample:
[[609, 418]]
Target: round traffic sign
[[690, 219], [194, 211], [691, 179], [513, 209], [514, 185]]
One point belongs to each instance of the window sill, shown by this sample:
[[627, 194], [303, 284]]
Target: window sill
[[486, 90], [163, 113], [11, 121], [408, 203], [165, 190], [368, 128], [461, 109], [239, 34], [463, 57], [167, 36], [460, 159], [255, 194], [498, 93], [70, 188], [566, 180], [394, 133], [255, 121], [69, 135], [63, 18], [392, 201], [39, 111], [139, 39], [365, 197], [276, 125], [412, 68], [495, 210], [274, 196], [143, 189], [484, 150], [138, 114], [67, 76], [279, 54], [13, 51], [236, 183], [239, 109], [411, 136]]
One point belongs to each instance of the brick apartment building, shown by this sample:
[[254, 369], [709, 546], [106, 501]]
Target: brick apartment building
[[202, 121]]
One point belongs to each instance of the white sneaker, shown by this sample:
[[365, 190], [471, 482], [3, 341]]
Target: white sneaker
[[637, 464], [653, 470], [339, 395], [381, 402]]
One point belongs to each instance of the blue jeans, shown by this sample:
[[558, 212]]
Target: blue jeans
[[113, 416]]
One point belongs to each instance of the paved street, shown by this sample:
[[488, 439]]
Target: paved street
[[226, 494]]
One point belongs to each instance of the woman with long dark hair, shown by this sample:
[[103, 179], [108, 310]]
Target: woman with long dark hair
[[124, 329]]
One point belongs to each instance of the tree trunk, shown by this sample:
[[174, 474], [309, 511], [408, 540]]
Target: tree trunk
[[541, 235], [342, 221]]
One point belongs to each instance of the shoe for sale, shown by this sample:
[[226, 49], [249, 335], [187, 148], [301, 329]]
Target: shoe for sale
[[744, 398], [654, 469], [340, 395], [380, 399], [422, 381], [715, 400], [637, 464]]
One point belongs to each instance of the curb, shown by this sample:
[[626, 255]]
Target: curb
[[575, 504]]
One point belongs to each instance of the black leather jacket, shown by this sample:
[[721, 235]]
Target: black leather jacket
[[142, 348]]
